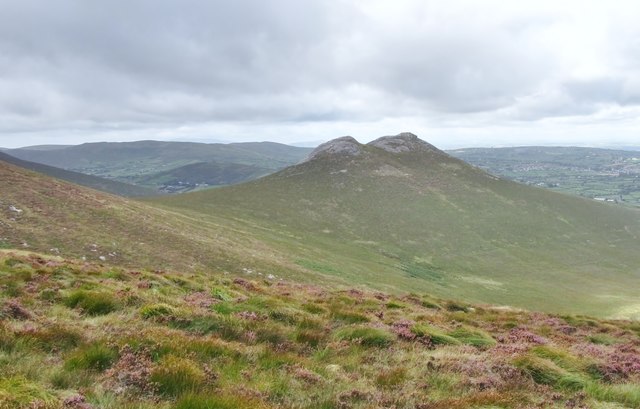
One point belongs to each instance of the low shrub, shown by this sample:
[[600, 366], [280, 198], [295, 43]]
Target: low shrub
[[92, 302]]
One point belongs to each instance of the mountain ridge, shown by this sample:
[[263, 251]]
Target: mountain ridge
[[151, 163], [422, 218]]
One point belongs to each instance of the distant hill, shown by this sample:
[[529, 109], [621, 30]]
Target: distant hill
[[399, 213], [151, 163], [105, 185], [45, 147], [604, 174], [201, 175]]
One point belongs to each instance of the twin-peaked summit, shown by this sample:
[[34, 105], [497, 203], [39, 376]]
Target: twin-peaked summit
[[398, 212], [404, 142]]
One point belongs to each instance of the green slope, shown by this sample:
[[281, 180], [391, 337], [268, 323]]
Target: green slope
[[420, 219], [94, 182], [138, 162], [52, 216], [606, 174]]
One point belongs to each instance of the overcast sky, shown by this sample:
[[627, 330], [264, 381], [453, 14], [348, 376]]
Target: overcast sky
[[457, 73]]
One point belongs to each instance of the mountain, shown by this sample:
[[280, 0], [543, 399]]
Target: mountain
[[605, 174], [398, 213], [150, 163], [94, 182]]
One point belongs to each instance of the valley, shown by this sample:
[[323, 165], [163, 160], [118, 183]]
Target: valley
[[602, 174], [168, 167]]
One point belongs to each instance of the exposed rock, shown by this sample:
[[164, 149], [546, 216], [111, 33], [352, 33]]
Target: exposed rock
[[345, 145], [403, 142]]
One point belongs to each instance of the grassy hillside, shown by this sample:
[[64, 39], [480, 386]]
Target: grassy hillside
[[610, 175], [423, 220], [81, 335], [149, 162], [416, 220], [52, 216], [105, 185]]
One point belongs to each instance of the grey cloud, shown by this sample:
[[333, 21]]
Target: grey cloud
[[159, 63], [618, 90]]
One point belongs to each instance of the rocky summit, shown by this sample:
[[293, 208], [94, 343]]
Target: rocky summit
[[345, 145], [403, 142]]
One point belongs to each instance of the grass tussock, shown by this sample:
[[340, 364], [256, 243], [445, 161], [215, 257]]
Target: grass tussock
[[435, 336], [544, 371], [92, 302], [96, 357], [175, 376], [214, 401], [366, 336], [20, 393], [474, 337]]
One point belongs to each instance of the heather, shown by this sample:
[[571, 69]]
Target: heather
[[75, 334]]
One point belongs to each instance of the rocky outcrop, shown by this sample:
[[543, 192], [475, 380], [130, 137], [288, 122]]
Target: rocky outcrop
[[403, 142], [345, 146]]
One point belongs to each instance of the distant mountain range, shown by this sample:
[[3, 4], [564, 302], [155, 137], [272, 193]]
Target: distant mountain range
[[167, 166]]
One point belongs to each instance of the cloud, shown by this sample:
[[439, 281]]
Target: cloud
[[156, 66]]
